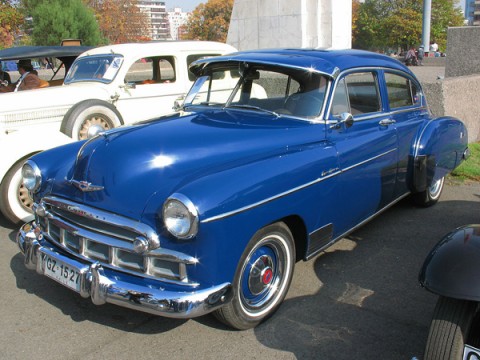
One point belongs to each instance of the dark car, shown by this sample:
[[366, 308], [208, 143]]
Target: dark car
[[274, 156], [451, 270]]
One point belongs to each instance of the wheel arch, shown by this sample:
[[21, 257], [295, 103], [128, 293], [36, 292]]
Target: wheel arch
[[299, 232], [93, 102]]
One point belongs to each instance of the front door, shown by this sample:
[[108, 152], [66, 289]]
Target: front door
[[367, 150]]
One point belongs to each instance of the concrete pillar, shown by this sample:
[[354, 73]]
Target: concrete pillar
[[291, 23], [427, 15]]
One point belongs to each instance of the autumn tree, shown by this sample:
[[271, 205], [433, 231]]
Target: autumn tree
[[121, 21], [55, 20], [382, 24], [210, 21], [11, 20]]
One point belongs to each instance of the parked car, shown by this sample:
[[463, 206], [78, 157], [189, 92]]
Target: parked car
[[451, 270], [209, 209], [104, 88], [63, 56]]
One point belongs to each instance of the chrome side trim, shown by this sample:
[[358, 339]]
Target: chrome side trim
[[298, 188], [261, 202], [368, 160], [106, 287]]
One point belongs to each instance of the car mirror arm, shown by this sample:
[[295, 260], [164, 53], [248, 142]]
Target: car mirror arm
[[346, 119]]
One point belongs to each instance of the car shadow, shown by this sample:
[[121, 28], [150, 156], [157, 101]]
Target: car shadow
[[80, 309], [363, 300]]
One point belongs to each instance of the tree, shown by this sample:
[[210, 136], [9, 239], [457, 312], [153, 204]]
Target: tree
[[210, 21], [121, 21], [55, 20], [11, 21], [384, 24]]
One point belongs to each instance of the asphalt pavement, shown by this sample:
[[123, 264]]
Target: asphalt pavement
[[358, 300]]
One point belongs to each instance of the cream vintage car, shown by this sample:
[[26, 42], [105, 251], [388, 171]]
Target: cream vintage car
[[104, 88]]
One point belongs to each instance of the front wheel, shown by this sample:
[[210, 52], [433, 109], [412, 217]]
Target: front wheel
[[262, 278], [88, 118], [431, 195], [14, 197], [455, 323]]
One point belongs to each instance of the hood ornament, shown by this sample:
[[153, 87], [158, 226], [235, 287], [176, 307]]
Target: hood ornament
[[85, 186]]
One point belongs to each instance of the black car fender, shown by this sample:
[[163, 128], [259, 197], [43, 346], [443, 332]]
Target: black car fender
[[452, 268]]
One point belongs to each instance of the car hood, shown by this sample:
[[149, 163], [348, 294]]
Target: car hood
[[126, 167]]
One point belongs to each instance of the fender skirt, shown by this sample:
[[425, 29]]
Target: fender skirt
[[452, 268], [423, 172]]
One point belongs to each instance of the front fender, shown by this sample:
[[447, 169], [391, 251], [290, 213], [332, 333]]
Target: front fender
[[452, 267], [439, 149]]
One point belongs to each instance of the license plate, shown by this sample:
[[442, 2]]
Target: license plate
[[67, 275], [471, 353]]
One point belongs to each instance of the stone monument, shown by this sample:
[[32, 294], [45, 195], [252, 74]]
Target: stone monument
[[257, 24]]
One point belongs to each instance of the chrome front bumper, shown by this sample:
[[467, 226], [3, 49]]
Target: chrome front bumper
[[94, 282]]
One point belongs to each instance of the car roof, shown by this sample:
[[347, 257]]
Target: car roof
[[329, 62], [152, 48], [29, 52]]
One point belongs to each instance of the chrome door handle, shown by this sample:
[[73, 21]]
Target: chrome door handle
[[386, 122]]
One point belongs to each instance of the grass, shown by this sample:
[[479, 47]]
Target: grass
[[469, 169]]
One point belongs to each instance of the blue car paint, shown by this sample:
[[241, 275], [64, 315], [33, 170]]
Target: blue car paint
[[244, 169]]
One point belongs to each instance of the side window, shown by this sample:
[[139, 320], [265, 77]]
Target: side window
[[401, 91], [340, 99], [152, 70], [363, 93], [195, 57]]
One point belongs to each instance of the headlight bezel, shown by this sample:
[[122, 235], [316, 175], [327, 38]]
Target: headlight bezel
[[181, 205], [34, 180]]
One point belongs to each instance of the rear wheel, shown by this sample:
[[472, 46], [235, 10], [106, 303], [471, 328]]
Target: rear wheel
[[15, 199], [431, 195], [455, 323], [262, 278]]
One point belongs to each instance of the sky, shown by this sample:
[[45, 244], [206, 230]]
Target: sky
[[190, 5], [185, 5]]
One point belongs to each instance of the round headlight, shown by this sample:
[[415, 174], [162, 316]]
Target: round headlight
[[180, 217], [32, 177]]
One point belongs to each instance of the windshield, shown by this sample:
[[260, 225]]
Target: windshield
[[272, 89], [101, 68]]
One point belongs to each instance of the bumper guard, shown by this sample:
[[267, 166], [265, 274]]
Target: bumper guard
[[94, 283]]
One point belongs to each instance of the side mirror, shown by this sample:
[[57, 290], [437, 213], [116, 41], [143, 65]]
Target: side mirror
[[346, 120], [177, 105]]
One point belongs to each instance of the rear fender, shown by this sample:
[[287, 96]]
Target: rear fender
[[441, 146], [452, 267]]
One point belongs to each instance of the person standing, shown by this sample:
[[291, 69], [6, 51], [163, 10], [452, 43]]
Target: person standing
[[28, 78], [421, 54]]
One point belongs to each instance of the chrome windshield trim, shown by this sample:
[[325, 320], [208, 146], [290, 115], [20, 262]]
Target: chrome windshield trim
[[325, 175]]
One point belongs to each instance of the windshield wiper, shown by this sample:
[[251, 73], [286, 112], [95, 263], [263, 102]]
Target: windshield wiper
[[252, 107]]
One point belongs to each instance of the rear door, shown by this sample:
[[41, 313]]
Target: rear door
[[367, 150], [405, 101]]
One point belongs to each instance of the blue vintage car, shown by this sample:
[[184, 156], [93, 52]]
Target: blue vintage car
[[273, 156]]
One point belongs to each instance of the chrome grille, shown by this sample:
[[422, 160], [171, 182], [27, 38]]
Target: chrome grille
[[107, 238]]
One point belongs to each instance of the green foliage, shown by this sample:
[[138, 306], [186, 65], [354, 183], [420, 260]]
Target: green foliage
[[11, 20], [469, 169], [210, 21], [55, 20], [384, 24]]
